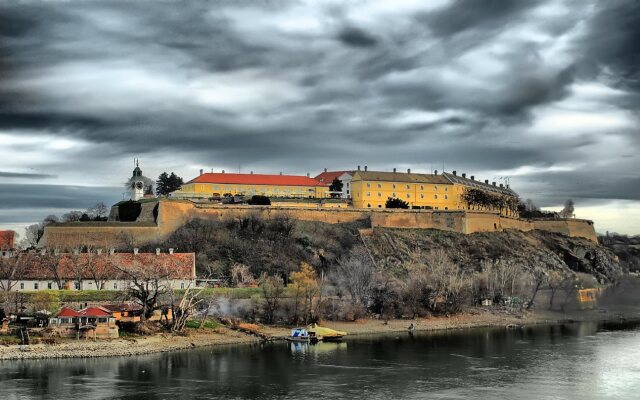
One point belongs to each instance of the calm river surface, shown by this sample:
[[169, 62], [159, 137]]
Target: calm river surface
[[572, 361]]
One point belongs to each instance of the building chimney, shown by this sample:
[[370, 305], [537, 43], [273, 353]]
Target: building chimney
[[435, 172], [507, 186], [473, 178], [408, 170], [486, 181], [394, 170], [157, 251], [464, 175], [223, 171], [112, 251], [135, 250], [308, 175], [251, 172], [454, 173], [501, 185], [365, 167], [358, 168], [170, 250], [280, 172], [325, 170], [493, 183]]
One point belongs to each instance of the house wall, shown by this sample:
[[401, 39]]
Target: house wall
[[205, 190]]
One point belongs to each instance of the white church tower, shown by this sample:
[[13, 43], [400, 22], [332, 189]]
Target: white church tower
[[139, 185]]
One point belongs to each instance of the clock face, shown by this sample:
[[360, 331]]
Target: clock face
[[139, 185]]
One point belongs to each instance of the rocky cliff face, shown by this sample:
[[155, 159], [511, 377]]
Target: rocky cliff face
[[394, 247]]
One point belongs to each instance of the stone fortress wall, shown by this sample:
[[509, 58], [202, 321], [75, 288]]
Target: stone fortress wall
[[172, 214]]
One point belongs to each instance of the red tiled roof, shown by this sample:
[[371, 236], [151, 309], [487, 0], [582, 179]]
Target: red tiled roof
[[257, 179], [122, 307], [106, 266], [7, 239], [66, 312], [329, 176]]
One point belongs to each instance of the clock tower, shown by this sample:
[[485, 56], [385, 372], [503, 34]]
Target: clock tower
[[139, 185]]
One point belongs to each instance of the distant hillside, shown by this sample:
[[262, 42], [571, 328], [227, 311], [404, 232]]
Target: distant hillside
[[392, 248]]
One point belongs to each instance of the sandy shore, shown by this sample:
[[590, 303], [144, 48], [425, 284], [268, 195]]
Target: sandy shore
[[163, 343]]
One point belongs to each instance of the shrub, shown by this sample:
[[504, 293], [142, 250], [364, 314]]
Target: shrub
[[394, 202], [259, 200]]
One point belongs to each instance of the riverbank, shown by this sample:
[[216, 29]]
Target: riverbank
[[473, 318]]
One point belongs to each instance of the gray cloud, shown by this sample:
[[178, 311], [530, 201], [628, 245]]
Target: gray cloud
[[24, 175], [281, 86]]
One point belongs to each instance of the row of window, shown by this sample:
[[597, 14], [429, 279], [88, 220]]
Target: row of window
[[446, 197], [76, 285], [379, 185], [421, 208]]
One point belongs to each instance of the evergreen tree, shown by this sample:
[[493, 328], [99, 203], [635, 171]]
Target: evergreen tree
[[168, 183], [336, 186]]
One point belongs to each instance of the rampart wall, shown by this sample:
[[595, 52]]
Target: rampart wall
[[174, 214]]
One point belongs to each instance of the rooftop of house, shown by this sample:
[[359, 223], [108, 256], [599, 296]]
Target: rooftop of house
[[257, 179], [329, 176], [463, 180], [67, 312], [106, 266], [124, 307], [407, 177], [7, 240]]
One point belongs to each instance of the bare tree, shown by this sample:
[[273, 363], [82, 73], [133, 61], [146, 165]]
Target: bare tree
[[568, 210], [11, 271], [354, 275], [538, 277], [147, 282], [272, 291]]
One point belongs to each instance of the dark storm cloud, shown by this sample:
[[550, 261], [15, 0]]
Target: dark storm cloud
[[352, 36], [24, 175], [294, 87], [477, 15]]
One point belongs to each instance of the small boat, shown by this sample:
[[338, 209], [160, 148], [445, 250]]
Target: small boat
[[325, 334], [299, 335]]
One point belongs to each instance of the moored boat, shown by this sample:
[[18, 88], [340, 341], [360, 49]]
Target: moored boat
[[325, 334], [298, 335]]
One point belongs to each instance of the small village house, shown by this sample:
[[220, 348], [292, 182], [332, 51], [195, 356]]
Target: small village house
[[90, 322]]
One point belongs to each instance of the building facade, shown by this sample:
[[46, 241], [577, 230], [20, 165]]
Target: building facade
[[217, 185], [98, 271], [447, 191]]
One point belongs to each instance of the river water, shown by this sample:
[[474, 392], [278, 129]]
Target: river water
[[571, 361]]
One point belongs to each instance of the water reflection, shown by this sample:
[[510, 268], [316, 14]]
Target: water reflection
[[583, 360]]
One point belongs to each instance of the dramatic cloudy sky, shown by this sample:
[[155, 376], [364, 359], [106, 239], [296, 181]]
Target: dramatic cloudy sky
[[543, 92]]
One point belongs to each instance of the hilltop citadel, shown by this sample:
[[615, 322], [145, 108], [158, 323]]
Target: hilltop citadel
[[446, 200]]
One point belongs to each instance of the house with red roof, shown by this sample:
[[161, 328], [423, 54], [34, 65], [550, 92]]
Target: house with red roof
[[218, 185], [90, 322], [98, 270], [327, 177]]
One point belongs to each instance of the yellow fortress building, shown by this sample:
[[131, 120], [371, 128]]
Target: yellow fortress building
[[213, 185], [371, 189]]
